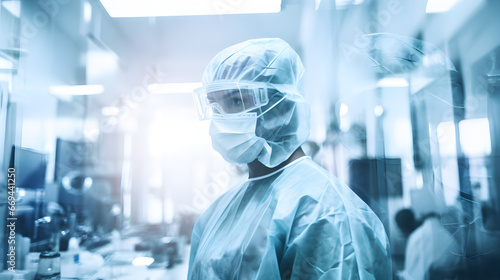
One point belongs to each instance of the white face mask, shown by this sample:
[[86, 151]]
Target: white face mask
[[239, 140], [235, 139]]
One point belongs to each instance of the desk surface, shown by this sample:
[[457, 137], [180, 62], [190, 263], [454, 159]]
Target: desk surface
[[118, 264], [118, 272]]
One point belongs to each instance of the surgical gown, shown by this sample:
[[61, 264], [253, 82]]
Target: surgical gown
[[298, 222]]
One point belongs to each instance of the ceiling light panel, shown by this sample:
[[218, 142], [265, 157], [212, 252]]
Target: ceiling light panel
[[77, 90], [392, 82], [173, 88], [439, 6], [156, 8]]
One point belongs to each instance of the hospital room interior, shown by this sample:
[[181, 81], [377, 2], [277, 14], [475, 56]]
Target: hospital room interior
[[114, 164]]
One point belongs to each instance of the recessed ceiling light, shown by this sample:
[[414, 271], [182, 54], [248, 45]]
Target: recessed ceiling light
[[142, 261], [110, 111], [6, 64], [342, 4], [173, 88], [343, 109], [156, 8], [87, 12], [378, 110], [439, 6], [77, 90], [392, 82]]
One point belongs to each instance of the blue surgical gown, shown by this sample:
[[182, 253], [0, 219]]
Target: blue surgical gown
[[296, 223]]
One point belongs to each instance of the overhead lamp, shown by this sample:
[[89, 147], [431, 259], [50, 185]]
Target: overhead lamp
[[475, 137], [87, 12], [101, 63], [392, 82], [446, 139], [439, 6], [343, 109], [110, 111], [77, 90], [342, 4], [142, 261], [378, 110], [6, 64], [173, 88], [156, 8]]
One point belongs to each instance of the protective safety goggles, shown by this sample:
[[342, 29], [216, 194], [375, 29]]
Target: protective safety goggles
[[230, 100]]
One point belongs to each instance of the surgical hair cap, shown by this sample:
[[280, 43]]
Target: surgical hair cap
[[270, 61]]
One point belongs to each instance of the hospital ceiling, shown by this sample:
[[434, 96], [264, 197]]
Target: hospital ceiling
[[180, 47]]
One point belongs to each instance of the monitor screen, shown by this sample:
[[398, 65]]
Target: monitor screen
[[70, 156], [30, 166]]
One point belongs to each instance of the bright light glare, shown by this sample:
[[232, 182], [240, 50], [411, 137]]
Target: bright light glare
[[91, 129], [402, 134], [110, 111], [173, 88], [345, 124], [378, 110], [87, 12], [142, 261], [419, 181], [439, 6], [77, 90], [156, 8], [446, 139], [13, 6], [343, 109], [316, 6], [341, 4], [475, 137], [162, 140], [101, 63], [6, 64], [392, 82]]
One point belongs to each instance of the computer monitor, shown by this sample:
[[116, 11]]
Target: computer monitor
[[375, 178], [70, 156], [31, 167]]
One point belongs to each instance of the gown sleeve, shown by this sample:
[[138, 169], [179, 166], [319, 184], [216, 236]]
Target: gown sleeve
[[195, 241], [336, 246]]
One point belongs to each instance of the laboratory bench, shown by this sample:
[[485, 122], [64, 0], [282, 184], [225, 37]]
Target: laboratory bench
[[117, 260]]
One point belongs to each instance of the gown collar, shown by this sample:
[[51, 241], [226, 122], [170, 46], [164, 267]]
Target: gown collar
[[279, 170]]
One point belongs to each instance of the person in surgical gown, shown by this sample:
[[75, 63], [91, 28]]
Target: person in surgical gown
[[431, 251], [291, 219]]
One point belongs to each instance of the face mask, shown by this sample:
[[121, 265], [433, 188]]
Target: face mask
[[279, 133], [235, 139]]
